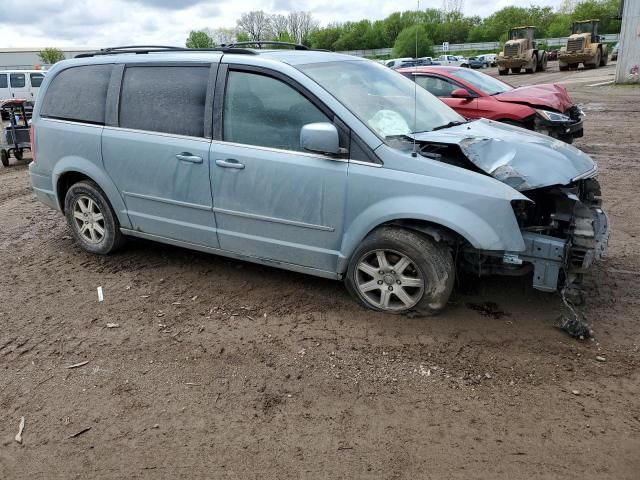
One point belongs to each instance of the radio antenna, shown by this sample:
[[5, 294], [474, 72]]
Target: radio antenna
[[415, 91]]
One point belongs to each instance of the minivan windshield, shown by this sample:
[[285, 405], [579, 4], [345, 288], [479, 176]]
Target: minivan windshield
[[386, 101]]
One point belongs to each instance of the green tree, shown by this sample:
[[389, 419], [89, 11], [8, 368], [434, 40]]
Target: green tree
[[413, 41], [49, 56], [199, 39]]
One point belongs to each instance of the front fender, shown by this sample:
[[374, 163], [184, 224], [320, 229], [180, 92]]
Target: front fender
[[498, 230], [85, 167]]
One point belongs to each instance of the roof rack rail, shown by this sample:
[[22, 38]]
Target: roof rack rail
[[143, 49], [260, 43]]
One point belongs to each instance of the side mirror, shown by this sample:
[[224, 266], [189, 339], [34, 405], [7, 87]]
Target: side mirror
[[320, 138], [461, 93]]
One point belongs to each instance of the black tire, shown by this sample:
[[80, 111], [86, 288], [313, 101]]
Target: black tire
[[4, 157], [564, 69], [430, 262], [533, 69], [516, 70], [574, 65], [76, 196], [503, 72], [18, 154]]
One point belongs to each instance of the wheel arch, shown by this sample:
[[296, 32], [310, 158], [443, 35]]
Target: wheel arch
[[455, 223], [71, 170]]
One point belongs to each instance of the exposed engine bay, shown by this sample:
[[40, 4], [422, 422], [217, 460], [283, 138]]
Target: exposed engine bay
[[563, 226]]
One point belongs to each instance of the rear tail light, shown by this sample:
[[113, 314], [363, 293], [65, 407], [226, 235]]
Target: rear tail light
[[32, 137]]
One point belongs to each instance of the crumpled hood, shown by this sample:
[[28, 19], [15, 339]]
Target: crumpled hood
[[551, 96], [522, 159]]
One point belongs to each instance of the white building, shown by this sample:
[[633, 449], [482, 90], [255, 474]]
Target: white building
[[27, 58]]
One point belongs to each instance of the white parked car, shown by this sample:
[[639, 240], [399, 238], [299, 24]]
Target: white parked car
[[453, 60], [490, 58], [396, 62]]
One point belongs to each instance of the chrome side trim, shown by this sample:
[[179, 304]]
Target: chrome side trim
[[226, 253], [366, 164], [168, 200], [279, 150], [159, 134], [70, 122], [283, 221]]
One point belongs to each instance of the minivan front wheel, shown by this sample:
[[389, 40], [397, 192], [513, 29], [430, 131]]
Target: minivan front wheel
[[399, 271], [91, 218]]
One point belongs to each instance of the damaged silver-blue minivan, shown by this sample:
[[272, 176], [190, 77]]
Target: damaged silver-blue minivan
[[310, 161]]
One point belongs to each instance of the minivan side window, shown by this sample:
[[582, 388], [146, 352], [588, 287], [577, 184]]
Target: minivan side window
[[3, 81], [36, 79], [78, 94], [260, 110], [164, 99], [17, 80]]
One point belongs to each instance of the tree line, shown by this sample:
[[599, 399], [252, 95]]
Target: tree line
[[398, 30]]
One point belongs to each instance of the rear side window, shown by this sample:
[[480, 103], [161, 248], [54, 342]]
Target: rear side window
[[3, 81], [164, 99], [78, 94], [36, 79], [17, 80]]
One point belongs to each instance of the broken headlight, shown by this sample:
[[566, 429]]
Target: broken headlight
[[553, 116]]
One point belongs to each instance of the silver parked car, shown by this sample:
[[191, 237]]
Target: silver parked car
[[310, 161]]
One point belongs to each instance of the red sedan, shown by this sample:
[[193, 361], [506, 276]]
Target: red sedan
[[546, 108]]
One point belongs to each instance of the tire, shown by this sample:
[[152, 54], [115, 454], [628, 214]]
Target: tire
[[424, 266], [4, 157], [516, 70], [574, 65], [503, 72], [604, 60], [564, 69], [19, 154], [534, 61], [91, 219]]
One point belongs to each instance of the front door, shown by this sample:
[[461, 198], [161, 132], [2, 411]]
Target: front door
[[272, 199], [158, 155]]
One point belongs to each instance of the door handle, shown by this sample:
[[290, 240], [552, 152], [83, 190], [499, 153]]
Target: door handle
[[187, 157], [230, 163]]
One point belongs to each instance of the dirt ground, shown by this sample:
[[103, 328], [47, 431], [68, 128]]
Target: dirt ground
[[224, 369]]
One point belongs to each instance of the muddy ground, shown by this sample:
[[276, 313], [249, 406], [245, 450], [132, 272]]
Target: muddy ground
[[224, 369]]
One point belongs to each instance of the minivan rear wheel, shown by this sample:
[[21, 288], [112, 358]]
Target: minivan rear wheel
[[396, 270], [92, 221]]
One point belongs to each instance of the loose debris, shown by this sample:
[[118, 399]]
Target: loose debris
[[575, 326], [575, 392], [84, 430], [18, 437], [601, 358], [78, 365], [113, 325], [100, 295]]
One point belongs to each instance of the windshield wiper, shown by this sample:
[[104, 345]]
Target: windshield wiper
[[449, 125]]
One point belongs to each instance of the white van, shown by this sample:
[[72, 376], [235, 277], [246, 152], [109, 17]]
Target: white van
[[21, 84]]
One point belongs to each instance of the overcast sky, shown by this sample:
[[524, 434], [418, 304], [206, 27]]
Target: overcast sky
[[90, 23]]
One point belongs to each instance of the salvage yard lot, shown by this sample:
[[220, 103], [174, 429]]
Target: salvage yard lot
[[213, 368]]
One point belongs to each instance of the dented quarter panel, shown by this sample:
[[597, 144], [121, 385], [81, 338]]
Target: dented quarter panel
[[520, 158]]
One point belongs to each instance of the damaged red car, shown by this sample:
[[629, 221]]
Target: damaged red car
[[546, 109]]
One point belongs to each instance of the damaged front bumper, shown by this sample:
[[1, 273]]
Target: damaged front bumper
[[553, 257], [569, 129], [558, 251]]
